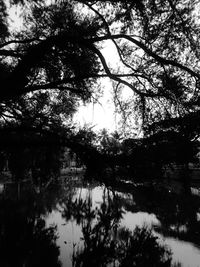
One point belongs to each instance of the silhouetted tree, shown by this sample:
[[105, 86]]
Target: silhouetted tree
[[59, 48], [105, 243], [25, 240]]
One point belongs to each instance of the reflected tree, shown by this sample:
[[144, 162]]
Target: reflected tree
[[24, 238], [105, 243], [177, 212], [141, 248]]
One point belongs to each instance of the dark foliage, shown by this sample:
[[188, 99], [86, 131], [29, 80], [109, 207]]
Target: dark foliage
[[59, 47], [106, 243]]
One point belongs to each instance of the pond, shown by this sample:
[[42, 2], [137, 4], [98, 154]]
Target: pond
[[72, 222]]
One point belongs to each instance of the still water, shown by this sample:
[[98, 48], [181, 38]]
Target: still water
[[70, 222]]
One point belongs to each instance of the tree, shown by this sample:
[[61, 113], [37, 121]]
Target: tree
[[59, 47], [109, 144], [41, 110], [106, 243]]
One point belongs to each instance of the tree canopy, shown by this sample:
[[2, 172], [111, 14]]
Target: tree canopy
[[59, 48]]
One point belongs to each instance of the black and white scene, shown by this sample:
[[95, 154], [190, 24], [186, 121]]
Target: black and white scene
[[99, 133]]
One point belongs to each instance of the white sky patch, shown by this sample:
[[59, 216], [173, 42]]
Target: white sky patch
[[14, 17], [101, 115]]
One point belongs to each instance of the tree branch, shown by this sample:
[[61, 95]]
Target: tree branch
[[19, 42], [17, 80], [10, 53], [52, 86], [116, 78], [159, 59]]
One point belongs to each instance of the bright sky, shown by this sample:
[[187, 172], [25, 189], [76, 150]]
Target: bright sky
[[101, 115]]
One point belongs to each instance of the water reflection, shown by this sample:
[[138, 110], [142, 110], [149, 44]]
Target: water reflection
[[49, 220], [84, 222], [104, 242], [24, 238], [177, 213]]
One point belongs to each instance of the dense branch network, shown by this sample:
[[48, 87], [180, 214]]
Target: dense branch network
[[60, 50], [38, 51]]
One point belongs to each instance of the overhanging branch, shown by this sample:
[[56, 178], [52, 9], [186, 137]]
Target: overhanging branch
[[116, 78], [10, 53], [159, 59]]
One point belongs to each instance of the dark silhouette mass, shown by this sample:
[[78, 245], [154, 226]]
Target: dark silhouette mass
[[54, 57]]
